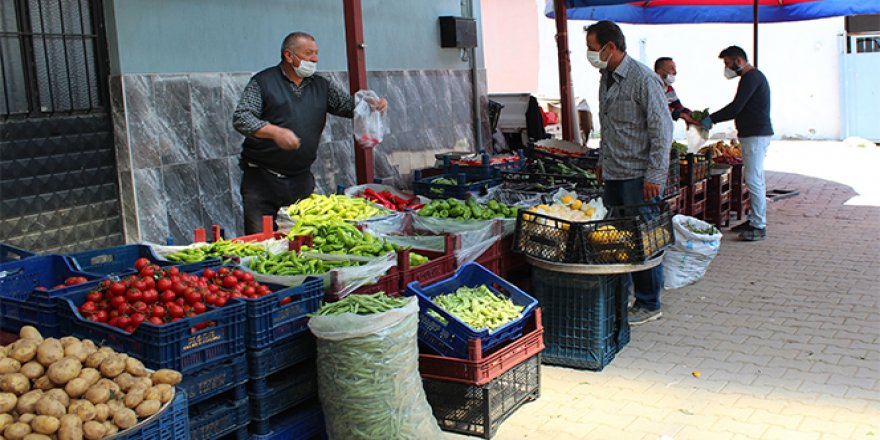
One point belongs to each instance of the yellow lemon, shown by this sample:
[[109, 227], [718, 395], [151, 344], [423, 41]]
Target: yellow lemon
[[566, 199], [590, 212], [577, 204], [543, 206]]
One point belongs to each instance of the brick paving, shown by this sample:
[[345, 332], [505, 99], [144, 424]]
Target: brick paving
[[785, 333]]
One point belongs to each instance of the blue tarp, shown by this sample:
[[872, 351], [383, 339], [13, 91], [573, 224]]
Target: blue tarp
[[648, 12]]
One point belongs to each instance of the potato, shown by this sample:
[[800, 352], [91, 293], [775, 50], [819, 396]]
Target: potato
[[111, 428], [3, 351], [8, 402], [17, 431], [125, 381], [76, 350], [153, 393], [23, 350], [83, 409], [15, 383], [125, 418], [110, 385], [59, 395], [32, 370], [33, 436], [43, 383], [5, 420], [112, 366], [30, 332], [47, 406], [28, 401], [144, 382], [102, 412], [95, 359], [68, 340], [9, 365], [167, 376], [45, 424], [90, 345], [91, 375], [134, 397], [148, 408], [115, 405], [64, 370], [97, 394], [94, 430], [50, 351], [27, 418], [76, 387], [71, 428], [135, 367], [167, 392], [107, 350]]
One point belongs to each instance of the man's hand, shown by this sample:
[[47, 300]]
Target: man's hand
[[378, 104], [650, 190], [706, 123], [689, 119], [286, 139]]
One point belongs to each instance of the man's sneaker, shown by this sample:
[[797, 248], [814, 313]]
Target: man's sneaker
[[639, 315], [753, 234], [744, 226]]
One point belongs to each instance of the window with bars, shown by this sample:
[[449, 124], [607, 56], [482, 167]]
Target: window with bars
[[51, 57]]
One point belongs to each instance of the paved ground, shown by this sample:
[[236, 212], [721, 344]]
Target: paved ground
[[785, 333]]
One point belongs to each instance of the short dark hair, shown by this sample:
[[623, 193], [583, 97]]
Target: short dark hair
[[290, 40], [733, 52], [660, 62], [607, 31]]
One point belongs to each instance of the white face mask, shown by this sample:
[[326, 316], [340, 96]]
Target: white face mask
[[669, 79], [729, 73], [595, 58], [305, 69]]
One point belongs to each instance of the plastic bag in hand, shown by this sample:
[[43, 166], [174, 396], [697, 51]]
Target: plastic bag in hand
[[369, 123]]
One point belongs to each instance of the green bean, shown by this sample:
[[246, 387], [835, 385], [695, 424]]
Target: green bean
[[477, 307]]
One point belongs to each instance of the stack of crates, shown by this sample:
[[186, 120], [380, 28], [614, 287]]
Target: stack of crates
[[740, 202], [282, 386], [475, 380], [694, 170], [718, 197], [585, 317]]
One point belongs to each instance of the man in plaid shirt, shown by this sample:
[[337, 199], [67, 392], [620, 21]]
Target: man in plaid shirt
[[636, 139]]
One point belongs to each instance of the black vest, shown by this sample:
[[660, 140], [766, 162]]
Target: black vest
[[305, 115]]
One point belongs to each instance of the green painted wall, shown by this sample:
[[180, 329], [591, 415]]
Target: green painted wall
[[176, 36]]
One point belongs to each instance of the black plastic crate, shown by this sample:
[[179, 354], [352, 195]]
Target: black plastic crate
[[226, 414], [461, 190], [630, 235], [585, 317], [673, 178], [546, 238], [480, 410]]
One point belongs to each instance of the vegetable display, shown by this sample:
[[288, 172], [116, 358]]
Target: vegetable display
[[709, 230], [457, 209], [342, 238], [70, 389], [362, 304], [571, 209], [699, 115], [158, 296], [478, 307], [391, 201], [680, 148], [317, 209], [221, 248], [291, 264]]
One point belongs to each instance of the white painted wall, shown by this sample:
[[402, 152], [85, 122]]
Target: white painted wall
[[801, 60]]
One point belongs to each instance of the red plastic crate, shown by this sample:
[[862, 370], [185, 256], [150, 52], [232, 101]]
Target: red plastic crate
[[440, 266], [510, 261], [268, 233], [389, 283], [478, 369]]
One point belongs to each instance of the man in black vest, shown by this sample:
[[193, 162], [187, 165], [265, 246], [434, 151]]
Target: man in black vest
[[282, 113]]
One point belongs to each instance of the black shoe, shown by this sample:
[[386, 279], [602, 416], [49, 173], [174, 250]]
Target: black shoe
[[744, 226], [753, 234]]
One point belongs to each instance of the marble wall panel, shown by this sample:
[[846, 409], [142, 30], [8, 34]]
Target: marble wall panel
[[182, 193], [237, 208], [128, 206], [152, 205], [120, 127], [215, 194], [173, 122], [143, 140], [209, 117]]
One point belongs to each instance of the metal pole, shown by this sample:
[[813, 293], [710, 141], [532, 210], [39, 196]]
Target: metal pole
[[564, 69], [357, 80], [755, 33]]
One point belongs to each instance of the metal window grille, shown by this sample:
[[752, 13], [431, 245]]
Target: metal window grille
[[50, 58]]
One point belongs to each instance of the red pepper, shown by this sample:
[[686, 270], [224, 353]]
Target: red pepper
[[379, 198], [417, 206]]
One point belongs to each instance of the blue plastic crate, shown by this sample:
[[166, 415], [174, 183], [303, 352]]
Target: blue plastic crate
[[215, 378], [120, 260], [226, 414], [21, 303], [275, 394], [303, 422], [171, 423], [451, 338], [11, 253], [269, 323], [484, 171], [175, 345], [262, 363], [585, 317], [425, 187]]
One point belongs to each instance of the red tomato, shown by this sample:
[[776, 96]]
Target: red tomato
[[193, 297], [150, 296], [173, 270], [208, 274], [117, 288], [114, 321], [167, 296], [130, 329], [93, 296], [125, 309], [101, 316], [237, 273], [230, 281], [286, 300], [123, 321], [249, 291], [178, 287], [263, 290], [247, 277], [137, 318], [157, 311], [105, 284], [151, 283], [213, 288], [220, 302], [147, 272], [134, 295], [175, 310], [199, 308], [87, 307], [140, 307], [223, 271], [114, 313], [117, 301], [156, 320], [163, 284], [141, 263], [139, 285]]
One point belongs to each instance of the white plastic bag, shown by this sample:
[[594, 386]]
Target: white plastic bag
[[342, 280], [369, 123], [368, 377], [687, 260], [696, 137]]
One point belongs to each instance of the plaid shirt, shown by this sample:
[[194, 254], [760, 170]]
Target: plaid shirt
[[636, 125], [246, 118]]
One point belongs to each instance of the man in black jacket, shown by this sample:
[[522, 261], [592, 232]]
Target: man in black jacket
[[282, 113], [750, 111]]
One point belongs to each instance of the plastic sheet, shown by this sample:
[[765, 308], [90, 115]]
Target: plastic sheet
[[368, 378], [353, 191], [510, 198], [273, 246], [687, 260], [342, 280]]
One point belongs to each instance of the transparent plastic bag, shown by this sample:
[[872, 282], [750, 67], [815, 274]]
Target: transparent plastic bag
[[510, 198], [369, 123], [368, 378], [474, 243], [687, 260], [341, 280], [163, 251], [696, 137]]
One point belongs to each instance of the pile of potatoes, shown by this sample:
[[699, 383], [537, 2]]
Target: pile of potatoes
[[69, 389]]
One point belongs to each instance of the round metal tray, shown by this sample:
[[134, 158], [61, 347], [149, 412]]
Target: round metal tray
[[595, 269], [148, 420]]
